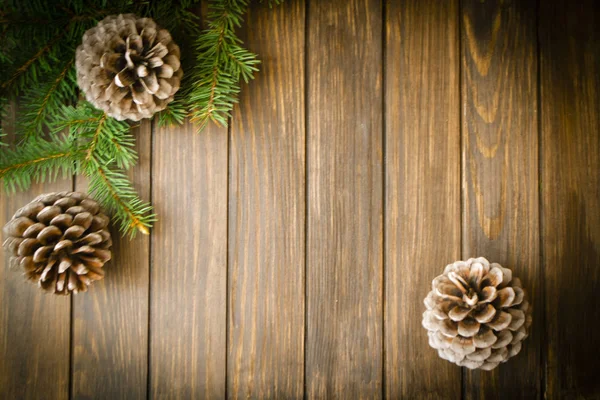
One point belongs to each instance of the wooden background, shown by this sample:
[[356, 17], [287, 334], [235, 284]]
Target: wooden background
[[379, 142]]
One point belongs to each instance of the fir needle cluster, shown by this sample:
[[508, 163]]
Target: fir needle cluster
[[58, 133]]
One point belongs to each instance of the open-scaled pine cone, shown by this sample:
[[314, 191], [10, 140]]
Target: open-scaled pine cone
[[128, 67], [477, 314], [61, 241]]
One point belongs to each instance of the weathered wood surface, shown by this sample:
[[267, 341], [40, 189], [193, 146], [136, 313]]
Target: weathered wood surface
[[265, 357], [500, 167], [422, 188], [189, 264], [380, 141], [570, 190], [344, 266]]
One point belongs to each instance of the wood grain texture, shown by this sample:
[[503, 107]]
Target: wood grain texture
[[500, 168], [189, 264], [344, 245], [110, 321], [422, 188], [34, 326], [570, 125], [267, 213]]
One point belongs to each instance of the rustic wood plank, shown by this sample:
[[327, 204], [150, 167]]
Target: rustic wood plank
[[267, 213], [110, 322], [570, 125], [189, 264], [500, 169], [344, 245], [422, 187], [34, 326]]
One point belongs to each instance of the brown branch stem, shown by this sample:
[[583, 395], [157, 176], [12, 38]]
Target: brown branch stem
[[94, 141], [31, 162], [215, 72], [61, 76]]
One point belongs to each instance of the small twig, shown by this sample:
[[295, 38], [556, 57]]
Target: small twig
[[213, 85], [116, 143], [94, 140], [3, 171], [61, 76], [82, 121], [210, 104]]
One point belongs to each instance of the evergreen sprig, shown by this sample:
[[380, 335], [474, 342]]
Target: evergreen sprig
[[36, 160], [2, 118], [220, 63], [97, 135], [39, 100], [113, 189], [58, 132]]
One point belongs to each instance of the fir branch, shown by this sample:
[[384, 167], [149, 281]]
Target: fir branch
[[77, 123], [3, 104], [23, 68], [105, 143], [200, 96], [35, 160], [216, 97], [96, 145], [174, 114], [244, 63], [97, 134], [31, 162], [116, 139], [221, 61], [114, 191], [57, 82], [38, 102]]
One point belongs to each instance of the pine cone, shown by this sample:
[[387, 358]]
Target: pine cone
[[477, 314], [61, 241], [128, 67]]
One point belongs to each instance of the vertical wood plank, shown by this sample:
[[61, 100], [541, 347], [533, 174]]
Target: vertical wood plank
[[110, 321], [344, 248], [422, 187], [500, 179], [267, 213], [570, 126], [189, 264], [34, 326]]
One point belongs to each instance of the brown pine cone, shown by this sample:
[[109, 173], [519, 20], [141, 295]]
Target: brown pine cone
[[477, 314], [61, 241], [128, 67]]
